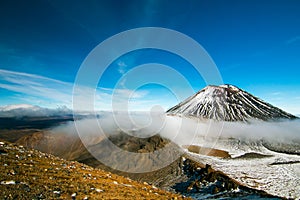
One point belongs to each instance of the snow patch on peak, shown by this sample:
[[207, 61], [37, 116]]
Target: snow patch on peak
[[231, 87], [224, 88]]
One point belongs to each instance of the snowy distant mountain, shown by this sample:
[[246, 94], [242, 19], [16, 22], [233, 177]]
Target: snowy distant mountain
[[18, 106], [227, 103], [26, 110]]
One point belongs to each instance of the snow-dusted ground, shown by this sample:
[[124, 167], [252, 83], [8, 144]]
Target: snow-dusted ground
[[260, 173]]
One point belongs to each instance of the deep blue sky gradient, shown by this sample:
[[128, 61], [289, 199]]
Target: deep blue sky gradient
[[255, 44]]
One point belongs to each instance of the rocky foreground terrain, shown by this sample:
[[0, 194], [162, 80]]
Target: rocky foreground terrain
[[30, 174], [184, 175]]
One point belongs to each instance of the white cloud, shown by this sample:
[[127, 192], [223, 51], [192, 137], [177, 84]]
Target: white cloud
[[293, 40], [36, 86], [276, 93], [47, 92], [122, 67], [14, 74], [185, 131]]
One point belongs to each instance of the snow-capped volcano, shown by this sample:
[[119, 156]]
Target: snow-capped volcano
[[227, 103]]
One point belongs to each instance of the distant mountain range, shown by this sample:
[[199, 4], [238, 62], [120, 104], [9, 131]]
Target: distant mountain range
[[30, 117], [227, 103], [26, 110]]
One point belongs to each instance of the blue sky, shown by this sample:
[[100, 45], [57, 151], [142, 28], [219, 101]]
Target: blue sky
[[255, 45]]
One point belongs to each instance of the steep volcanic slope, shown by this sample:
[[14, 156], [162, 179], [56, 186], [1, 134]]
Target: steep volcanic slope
[[227, 103], [30, 174]]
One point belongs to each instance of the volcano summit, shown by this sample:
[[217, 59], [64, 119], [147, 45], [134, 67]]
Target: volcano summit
[[227, 103]]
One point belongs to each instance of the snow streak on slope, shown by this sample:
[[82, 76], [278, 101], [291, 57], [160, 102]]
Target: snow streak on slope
[[227, 103]]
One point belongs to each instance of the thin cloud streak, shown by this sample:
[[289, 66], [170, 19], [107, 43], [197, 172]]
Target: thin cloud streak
[[293, 40], [7, 73], [122, 67], [45, 89]]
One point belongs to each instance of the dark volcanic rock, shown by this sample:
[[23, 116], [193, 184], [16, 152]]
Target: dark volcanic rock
[[290, 147], [204, 182], [252, 155]]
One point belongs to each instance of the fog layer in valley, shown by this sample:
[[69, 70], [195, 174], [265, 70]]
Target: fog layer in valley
[[182, 131]]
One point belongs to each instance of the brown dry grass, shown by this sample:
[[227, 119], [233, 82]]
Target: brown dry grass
[[207, 151], [38, 175]]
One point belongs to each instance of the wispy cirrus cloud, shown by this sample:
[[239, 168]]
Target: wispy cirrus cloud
[[44, 91], [293, 40], [122, 67], [31, 85]]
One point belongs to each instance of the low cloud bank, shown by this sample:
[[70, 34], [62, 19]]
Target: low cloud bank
[[182, 130]]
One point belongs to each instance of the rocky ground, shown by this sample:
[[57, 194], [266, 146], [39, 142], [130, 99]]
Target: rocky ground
[[203, 182], [184, 175], [30, 174]]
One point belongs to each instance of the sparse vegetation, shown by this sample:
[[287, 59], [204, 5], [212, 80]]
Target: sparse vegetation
[[30, 174]]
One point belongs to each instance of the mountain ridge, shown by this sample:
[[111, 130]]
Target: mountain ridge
[[227, 103]]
